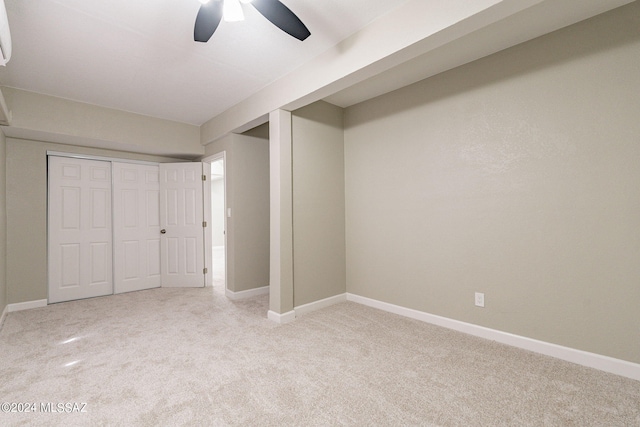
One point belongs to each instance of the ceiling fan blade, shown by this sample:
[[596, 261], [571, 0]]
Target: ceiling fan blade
[[282, 17], [207, 21]]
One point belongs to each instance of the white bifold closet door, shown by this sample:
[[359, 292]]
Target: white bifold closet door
[[153, 238], [136, 227], [80, 234]]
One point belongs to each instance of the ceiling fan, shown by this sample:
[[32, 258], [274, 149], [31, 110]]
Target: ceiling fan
[[213, 11]]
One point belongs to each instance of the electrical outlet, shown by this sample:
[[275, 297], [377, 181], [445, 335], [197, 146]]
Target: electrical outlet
[[479, 299]]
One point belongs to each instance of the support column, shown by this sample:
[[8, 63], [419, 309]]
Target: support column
[[281, 218]]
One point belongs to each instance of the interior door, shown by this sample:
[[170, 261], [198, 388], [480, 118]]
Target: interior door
[[136, 227], [80, 239], [181, 221]]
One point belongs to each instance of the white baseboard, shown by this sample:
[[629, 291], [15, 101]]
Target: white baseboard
[[584, 358], [10, 308], [26, 305], [246, 294], [317, 305], [304, 309], [4, 315], [283, 318]]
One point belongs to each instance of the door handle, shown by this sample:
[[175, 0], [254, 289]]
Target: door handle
[[163, 231]]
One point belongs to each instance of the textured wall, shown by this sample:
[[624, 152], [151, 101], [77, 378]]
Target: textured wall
[[69, 122], [517, 176], [251, 211], [247, 183], [318, 203]]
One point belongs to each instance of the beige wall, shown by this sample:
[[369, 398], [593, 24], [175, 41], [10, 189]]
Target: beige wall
[[251, 211], [261, 131], [3, 223], [42, 117], [27, 213], [247, 175], [517, 176], [318, 203]]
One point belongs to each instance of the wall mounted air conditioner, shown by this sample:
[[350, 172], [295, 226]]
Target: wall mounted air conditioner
[[5, 36]]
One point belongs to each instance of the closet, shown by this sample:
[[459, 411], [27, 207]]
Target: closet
[[118, 227]]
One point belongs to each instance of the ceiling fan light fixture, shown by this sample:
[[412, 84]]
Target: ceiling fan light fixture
[[210, 15], [232, 11]]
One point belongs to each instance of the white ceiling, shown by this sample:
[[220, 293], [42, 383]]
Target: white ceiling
[[139, 55]]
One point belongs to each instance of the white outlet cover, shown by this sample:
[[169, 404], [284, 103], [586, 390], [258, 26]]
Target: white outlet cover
[[479, 299]]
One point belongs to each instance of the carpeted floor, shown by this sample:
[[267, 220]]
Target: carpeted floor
[[192, 357]]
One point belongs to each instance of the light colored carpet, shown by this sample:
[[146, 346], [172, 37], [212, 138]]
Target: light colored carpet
[[192, 357]]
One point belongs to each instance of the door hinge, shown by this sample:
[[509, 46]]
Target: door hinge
[[205, 270], [204, 224], [204, 177]]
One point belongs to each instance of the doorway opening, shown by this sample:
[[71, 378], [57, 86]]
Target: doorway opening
[[218, 226]]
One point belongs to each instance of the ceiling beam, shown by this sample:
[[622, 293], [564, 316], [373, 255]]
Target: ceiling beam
[[47, 118], [411, 30], [533, 22], [413, 42]]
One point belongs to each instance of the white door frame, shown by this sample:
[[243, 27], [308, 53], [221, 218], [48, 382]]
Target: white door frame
[[208, 236]]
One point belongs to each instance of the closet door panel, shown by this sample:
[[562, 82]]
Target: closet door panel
[[181, 217], [80, 234], [136, 194]]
